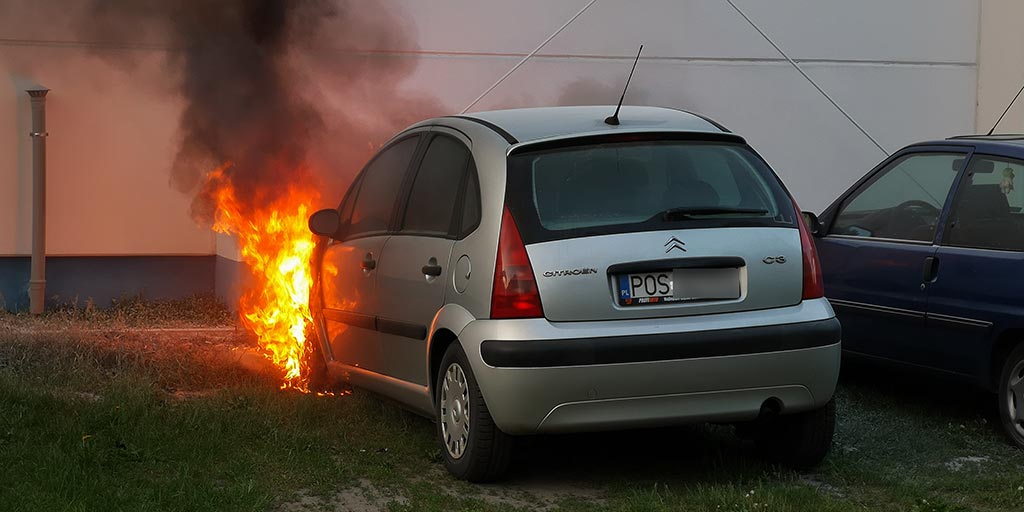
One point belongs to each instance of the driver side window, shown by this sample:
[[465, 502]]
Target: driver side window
[[902, 201]]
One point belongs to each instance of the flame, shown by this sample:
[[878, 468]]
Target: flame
[[276, 245]]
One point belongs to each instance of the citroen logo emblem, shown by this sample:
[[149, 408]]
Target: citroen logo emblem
[[674, 243]]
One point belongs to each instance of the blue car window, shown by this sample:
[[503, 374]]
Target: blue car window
[[987, 209], [902, 201]]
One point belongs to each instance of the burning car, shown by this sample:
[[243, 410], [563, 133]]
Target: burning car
[[543, 270]]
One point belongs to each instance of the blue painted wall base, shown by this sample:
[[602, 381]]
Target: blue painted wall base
[[229, 278], [104, 278]]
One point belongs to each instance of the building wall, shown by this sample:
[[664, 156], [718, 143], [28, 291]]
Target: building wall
[[108, 159], [114, 227], [1000, 65], [907, 71]]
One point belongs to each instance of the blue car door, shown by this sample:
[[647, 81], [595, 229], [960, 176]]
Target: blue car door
[[878, 245], [975, 290]]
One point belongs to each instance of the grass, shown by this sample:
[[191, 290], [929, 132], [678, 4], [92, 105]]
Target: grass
[[114, 418], [127, 311]]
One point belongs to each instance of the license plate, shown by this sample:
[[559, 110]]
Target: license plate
[[677, 285]]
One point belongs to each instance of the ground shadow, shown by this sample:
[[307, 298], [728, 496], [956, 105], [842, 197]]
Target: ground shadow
[[697, 453], [928, 391]]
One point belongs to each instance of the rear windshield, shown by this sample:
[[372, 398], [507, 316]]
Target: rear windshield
[[623, 187]]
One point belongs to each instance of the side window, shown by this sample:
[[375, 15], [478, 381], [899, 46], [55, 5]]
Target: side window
[[349, 203], [986, 212], [432, 202], [381, 183], [902, 201]]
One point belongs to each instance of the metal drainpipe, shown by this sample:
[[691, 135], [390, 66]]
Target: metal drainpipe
[[37, 280]]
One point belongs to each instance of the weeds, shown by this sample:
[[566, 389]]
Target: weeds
[[128, 311], [98, 415]]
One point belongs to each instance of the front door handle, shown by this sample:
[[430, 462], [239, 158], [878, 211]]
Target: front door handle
[[931, 270], [432, 269], [368, 262]]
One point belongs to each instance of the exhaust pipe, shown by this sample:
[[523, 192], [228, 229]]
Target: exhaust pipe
[[37, 279]]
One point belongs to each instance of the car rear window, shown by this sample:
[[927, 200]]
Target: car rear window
[[619, 187]]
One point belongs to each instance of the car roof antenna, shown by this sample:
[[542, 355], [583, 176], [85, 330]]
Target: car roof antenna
[[614, 118], [1014, 100]]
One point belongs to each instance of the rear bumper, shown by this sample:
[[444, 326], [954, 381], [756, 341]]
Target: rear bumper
[[659, 347], [538, 376]]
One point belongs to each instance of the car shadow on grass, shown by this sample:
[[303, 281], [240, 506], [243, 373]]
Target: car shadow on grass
[[692, 452], [910, 388]]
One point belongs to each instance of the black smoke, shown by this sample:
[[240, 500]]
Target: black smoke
[[287, 91]]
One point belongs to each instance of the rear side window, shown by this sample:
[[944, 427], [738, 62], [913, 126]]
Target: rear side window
[[470, 202], [987, 210], [643, 186], [435, 191], [380, 185]]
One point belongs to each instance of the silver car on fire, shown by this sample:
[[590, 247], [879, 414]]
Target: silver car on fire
[[529, 271]]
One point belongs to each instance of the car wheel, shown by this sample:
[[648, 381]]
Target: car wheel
[[1011, 396], [473, 447], [798, 440]]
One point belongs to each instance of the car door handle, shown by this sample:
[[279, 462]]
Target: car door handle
[[368, 262], [432, 269], [931, 270]]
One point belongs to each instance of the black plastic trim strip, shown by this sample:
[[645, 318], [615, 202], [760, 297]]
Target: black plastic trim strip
[[406, 330], [353, 319], [656, 265], [959, 321], [495, 128], [660, 347], [876, 308], [398, 328]]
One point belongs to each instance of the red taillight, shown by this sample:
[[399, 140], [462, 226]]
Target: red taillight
[[515, 288], [814, 287]]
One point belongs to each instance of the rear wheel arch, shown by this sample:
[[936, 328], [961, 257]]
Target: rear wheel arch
[[440, 340], [1001, 349]]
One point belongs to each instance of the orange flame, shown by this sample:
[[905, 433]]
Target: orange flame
[[276, 244]]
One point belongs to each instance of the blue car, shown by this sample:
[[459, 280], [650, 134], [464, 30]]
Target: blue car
[[923, 262]]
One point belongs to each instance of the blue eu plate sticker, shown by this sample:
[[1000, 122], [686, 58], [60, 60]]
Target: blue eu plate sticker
[[624, 287]]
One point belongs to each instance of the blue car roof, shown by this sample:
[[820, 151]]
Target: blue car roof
[[1001, 145]]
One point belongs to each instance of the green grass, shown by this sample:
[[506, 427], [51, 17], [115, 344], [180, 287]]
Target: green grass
[[116, 419]]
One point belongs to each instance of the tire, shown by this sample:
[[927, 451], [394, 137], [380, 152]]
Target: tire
[[800, 440], [1011, 396], [479, 451]]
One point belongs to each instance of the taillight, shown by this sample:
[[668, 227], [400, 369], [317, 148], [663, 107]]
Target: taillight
[[814, 287], [515, 288]]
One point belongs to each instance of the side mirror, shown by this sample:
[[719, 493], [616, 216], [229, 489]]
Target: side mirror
[[325, 223], [813, 224]]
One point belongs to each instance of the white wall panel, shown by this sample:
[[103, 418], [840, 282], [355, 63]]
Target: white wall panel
[[907, 30], [812, 146]]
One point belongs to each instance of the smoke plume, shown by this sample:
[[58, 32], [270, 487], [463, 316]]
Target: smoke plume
[[284, 91]]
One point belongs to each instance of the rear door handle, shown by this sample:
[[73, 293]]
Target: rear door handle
[[432, 269], [368, 262], [931, 270]]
